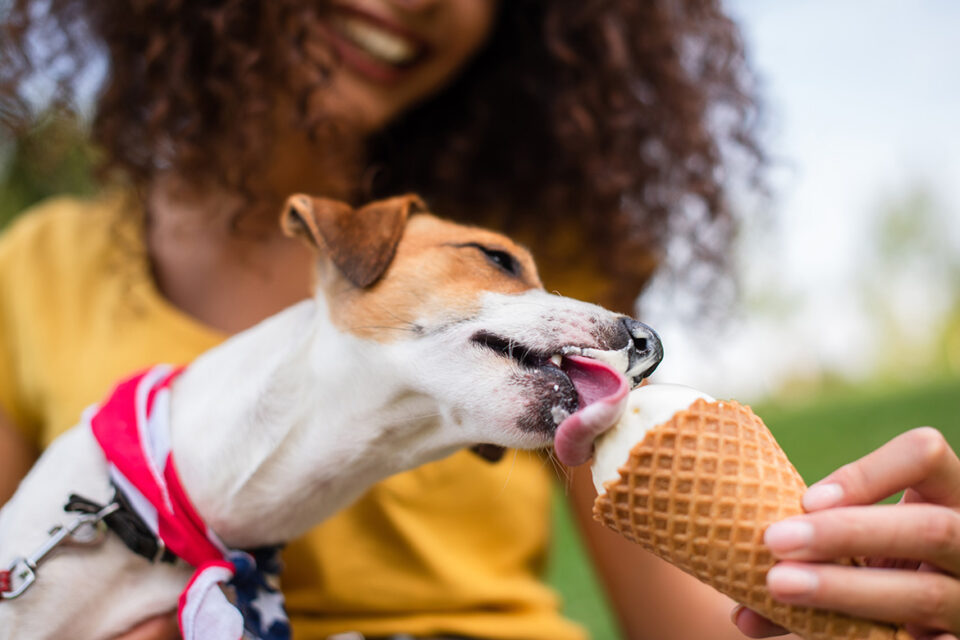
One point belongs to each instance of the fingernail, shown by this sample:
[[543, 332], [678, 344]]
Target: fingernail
[[788, 535], [822, 496], [735, 613], [791, 581]]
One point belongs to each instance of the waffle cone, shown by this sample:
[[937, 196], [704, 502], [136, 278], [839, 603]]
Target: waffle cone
[[699, 490]]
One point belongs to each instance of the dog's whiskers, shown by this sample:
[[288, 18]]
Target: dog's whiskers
[[561, 470], [513, 463]]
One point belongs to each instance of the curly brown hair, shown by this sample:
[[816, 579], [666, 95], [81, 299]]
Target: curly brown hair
[[612, 117]]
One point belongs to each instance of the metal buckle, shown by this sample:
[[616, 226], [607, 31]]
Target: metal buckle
[[21, 575], [86, 530], [161, 549]]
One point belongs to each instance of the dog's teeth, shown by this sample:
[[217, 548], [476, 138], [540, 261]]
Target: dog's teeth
[[556, 359]]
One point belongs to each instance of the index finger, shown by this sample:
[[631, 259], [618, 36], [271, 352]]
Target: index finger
[[920, 459]]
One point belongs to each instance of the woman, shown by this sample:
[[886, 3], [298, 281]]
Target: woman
[[568, 124]]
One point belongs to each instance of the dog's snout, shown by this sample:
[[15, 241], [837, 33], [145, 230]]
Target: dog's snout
[[645, 350]]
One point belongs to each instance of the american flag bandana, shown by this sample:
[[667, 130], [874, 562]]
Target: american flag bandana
[[132, 428]]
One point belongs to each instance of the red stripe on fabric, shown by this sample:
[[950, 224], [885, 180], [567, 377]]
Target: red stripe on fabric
[[185, 594], [181, 500], [161, 384], [206, 565], [114, 427], [185, 527]]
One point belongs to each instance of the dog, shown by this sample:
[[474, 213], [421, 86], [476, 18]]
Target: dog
[[423, 337]]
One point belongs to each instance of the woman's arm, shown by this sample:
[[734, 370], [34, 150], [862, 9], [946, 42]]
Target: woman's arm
[[652, 599], [17, 455]]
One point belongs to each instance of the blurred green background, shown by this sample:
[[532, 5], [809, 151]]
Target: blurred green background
[[51, 158]]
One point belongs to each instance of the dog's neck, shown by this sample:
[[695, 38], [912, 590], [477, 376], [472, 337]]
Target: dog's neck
[[244, 414]]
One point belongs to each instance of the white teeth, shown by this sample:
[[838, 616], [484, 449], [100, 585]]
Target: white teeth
[[556, 359], [619, 360], [378, 42]]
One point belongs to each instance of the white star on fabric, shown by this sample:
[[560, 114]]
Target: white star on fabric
[[270, 607]]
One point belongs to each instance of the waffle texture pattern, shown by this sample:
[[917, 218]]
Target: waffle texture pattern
[[699, 490]]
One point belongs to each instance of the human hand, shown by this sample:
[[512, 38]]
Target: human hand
[[912, 549], [162, 627]]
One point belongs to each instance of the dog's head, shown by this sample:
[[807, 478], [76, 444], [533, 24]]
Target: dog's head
[[461, 314]]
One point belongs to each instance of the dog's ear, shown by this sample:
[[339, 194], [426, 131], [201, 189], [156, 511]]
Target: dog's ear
[[360, 242]]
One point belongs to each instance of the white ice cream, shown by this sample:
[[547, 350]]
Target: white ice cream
[[647, 407]]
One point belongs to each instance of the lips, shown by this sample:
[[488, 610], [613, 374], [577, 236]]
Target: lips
[[376, 48], [602, 392], [600, 389], [384, 45]]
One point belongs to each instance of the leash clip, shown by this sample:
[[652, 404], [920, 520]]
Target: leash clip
[[86, 530], [21, 574]]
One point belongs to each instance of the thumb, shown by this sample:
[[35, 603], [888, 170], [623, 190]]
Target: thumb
[[753, 625]]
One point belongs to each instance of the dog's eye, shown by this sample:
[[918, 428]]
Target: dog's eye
[[502, 259]]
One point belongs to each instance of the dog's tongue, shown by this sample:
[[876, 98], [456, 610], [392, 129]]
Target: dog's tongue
[[603, 397]]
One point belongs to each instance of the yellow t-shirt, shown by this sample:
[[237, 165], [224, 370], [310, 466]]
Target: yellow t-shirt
[[454, 547]]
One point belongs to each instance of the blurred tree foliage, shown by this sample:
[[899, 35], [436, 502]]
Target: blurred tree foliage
[[911, 284], [53, 157]]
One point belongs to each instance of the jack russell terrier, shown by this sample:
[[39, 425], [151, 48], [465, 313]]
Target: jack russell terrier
[[424, 337]]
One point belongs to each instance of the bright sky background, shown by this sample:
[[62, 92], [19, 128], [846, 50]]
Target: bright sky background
[[863, 102]]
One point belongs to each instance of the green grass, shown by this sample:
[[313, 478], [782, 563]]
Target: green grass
[[821, 436], [818, 436]]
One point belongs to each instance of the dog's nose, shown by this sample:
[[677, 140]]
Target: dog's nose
[[645, 350]]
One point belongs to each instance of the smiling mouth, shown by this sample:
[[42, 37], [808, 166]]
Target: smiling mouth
[[379, 43], [591, 401]]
